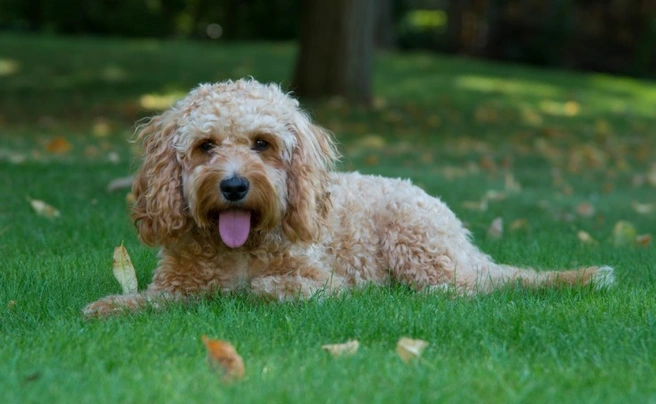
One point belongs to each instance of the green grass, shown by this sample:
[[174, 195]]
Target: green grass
[[457, 127]]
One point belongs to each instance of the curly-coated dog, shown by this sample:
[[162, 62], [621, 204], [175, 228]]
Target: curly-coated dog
[[237, 188]]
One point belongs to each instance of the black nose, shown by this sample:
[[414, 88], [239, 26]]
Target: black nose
[[234, 189]]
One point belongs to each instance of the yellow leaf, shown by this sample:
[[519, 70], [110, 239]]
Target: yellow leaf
[[519, 224], [572, 108], [496, 228], [585, 237], [410, 349], [475, 205], [346, 349], [511, 183], [623, 233], [492, 195], [643, 208], [651, 176], [372, 142], [101, 128], [223, 359], [124, 271], [43, 209]]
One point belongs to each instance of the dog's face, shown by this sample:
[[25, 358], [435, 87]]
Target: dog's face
[[234, 160]]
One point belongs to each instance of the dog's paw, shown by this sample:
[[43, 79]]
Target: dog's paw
[[110, 305]]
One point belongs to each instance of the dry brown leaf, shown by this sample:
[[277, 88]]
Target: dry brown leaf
[[651, 176], [624, 233], [371, 142], [487, 164], [59, 145], [495, 196], [643, 240], [585, 237], [371, 160], [223, 359], [496, 228], [43, 209], [585, 209], [519, 224], [124, 271], [511, 184], [643, 208], [346, 349], [101, 128], [410, 349], [475, 205], [11, 304], [130, 199]]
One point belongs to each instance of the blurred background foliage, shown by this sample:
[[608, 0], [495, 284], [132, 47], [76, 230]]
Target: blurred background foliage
[[614, 36]]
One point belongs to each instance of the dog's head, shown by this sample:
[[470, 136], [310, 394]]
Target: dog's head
[[234, 160]]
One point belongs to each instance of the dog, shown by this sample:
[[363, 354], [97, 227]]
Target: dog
[[238, 189]]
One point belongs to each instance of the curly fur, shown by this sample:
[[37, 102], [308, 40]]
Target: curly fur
[[313, 229]]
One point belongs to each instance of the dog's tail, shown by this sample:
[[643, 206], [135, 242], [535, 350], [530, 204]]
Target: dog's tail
[[496, 275]]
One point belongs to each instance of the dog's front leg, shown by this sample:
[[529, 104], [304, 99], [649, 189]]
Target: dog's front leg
[[116, 304], [290, 287]]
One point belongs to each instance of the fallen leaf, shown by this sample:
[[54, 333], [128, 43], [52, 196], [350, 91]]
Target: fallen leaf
[[511, 183], [572, 108], [585, 237], [101, 128], [410, 349], [130, 199], [643, 208], [223, 359], [475, 205], [120, 183], [11, 304], [124, 271], [585, 209], [487, 164], [58, 145], [346, 349], [492, 195], [643, 240], [623, 233], [651, 176], [371, 142], [43, 209], [496, 228], [519, 224]]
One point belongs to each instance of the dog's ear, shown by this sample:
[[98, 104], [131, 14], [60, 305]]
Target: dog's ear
[[159, 210], [312, 158]]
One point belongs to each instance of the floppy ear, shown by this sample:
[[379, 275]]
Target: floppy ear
[[158, 211], [313, 157]]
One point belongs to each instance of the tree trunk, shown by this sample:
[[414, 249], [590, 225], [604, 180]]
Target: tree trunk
[[455, 11], [385, 34], [336, 51]]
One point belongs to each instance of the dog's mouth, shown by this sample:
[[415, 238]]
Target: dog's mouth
[[235, 226]]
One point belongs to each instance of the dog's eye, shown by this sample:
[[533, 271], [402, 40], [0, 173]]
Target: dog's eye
[[260, 145], [206, 146]]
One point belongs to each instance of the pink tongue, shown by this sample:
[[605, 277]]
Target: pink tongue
[[234, 226]]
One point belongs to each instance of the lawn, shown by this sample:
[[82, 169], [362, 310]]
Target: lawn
[[560, 158]]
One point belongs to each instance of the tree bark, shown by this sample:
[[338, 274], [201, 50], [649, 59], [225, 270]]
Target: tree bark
[[385, 37], [455, 11], [336, 50]]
